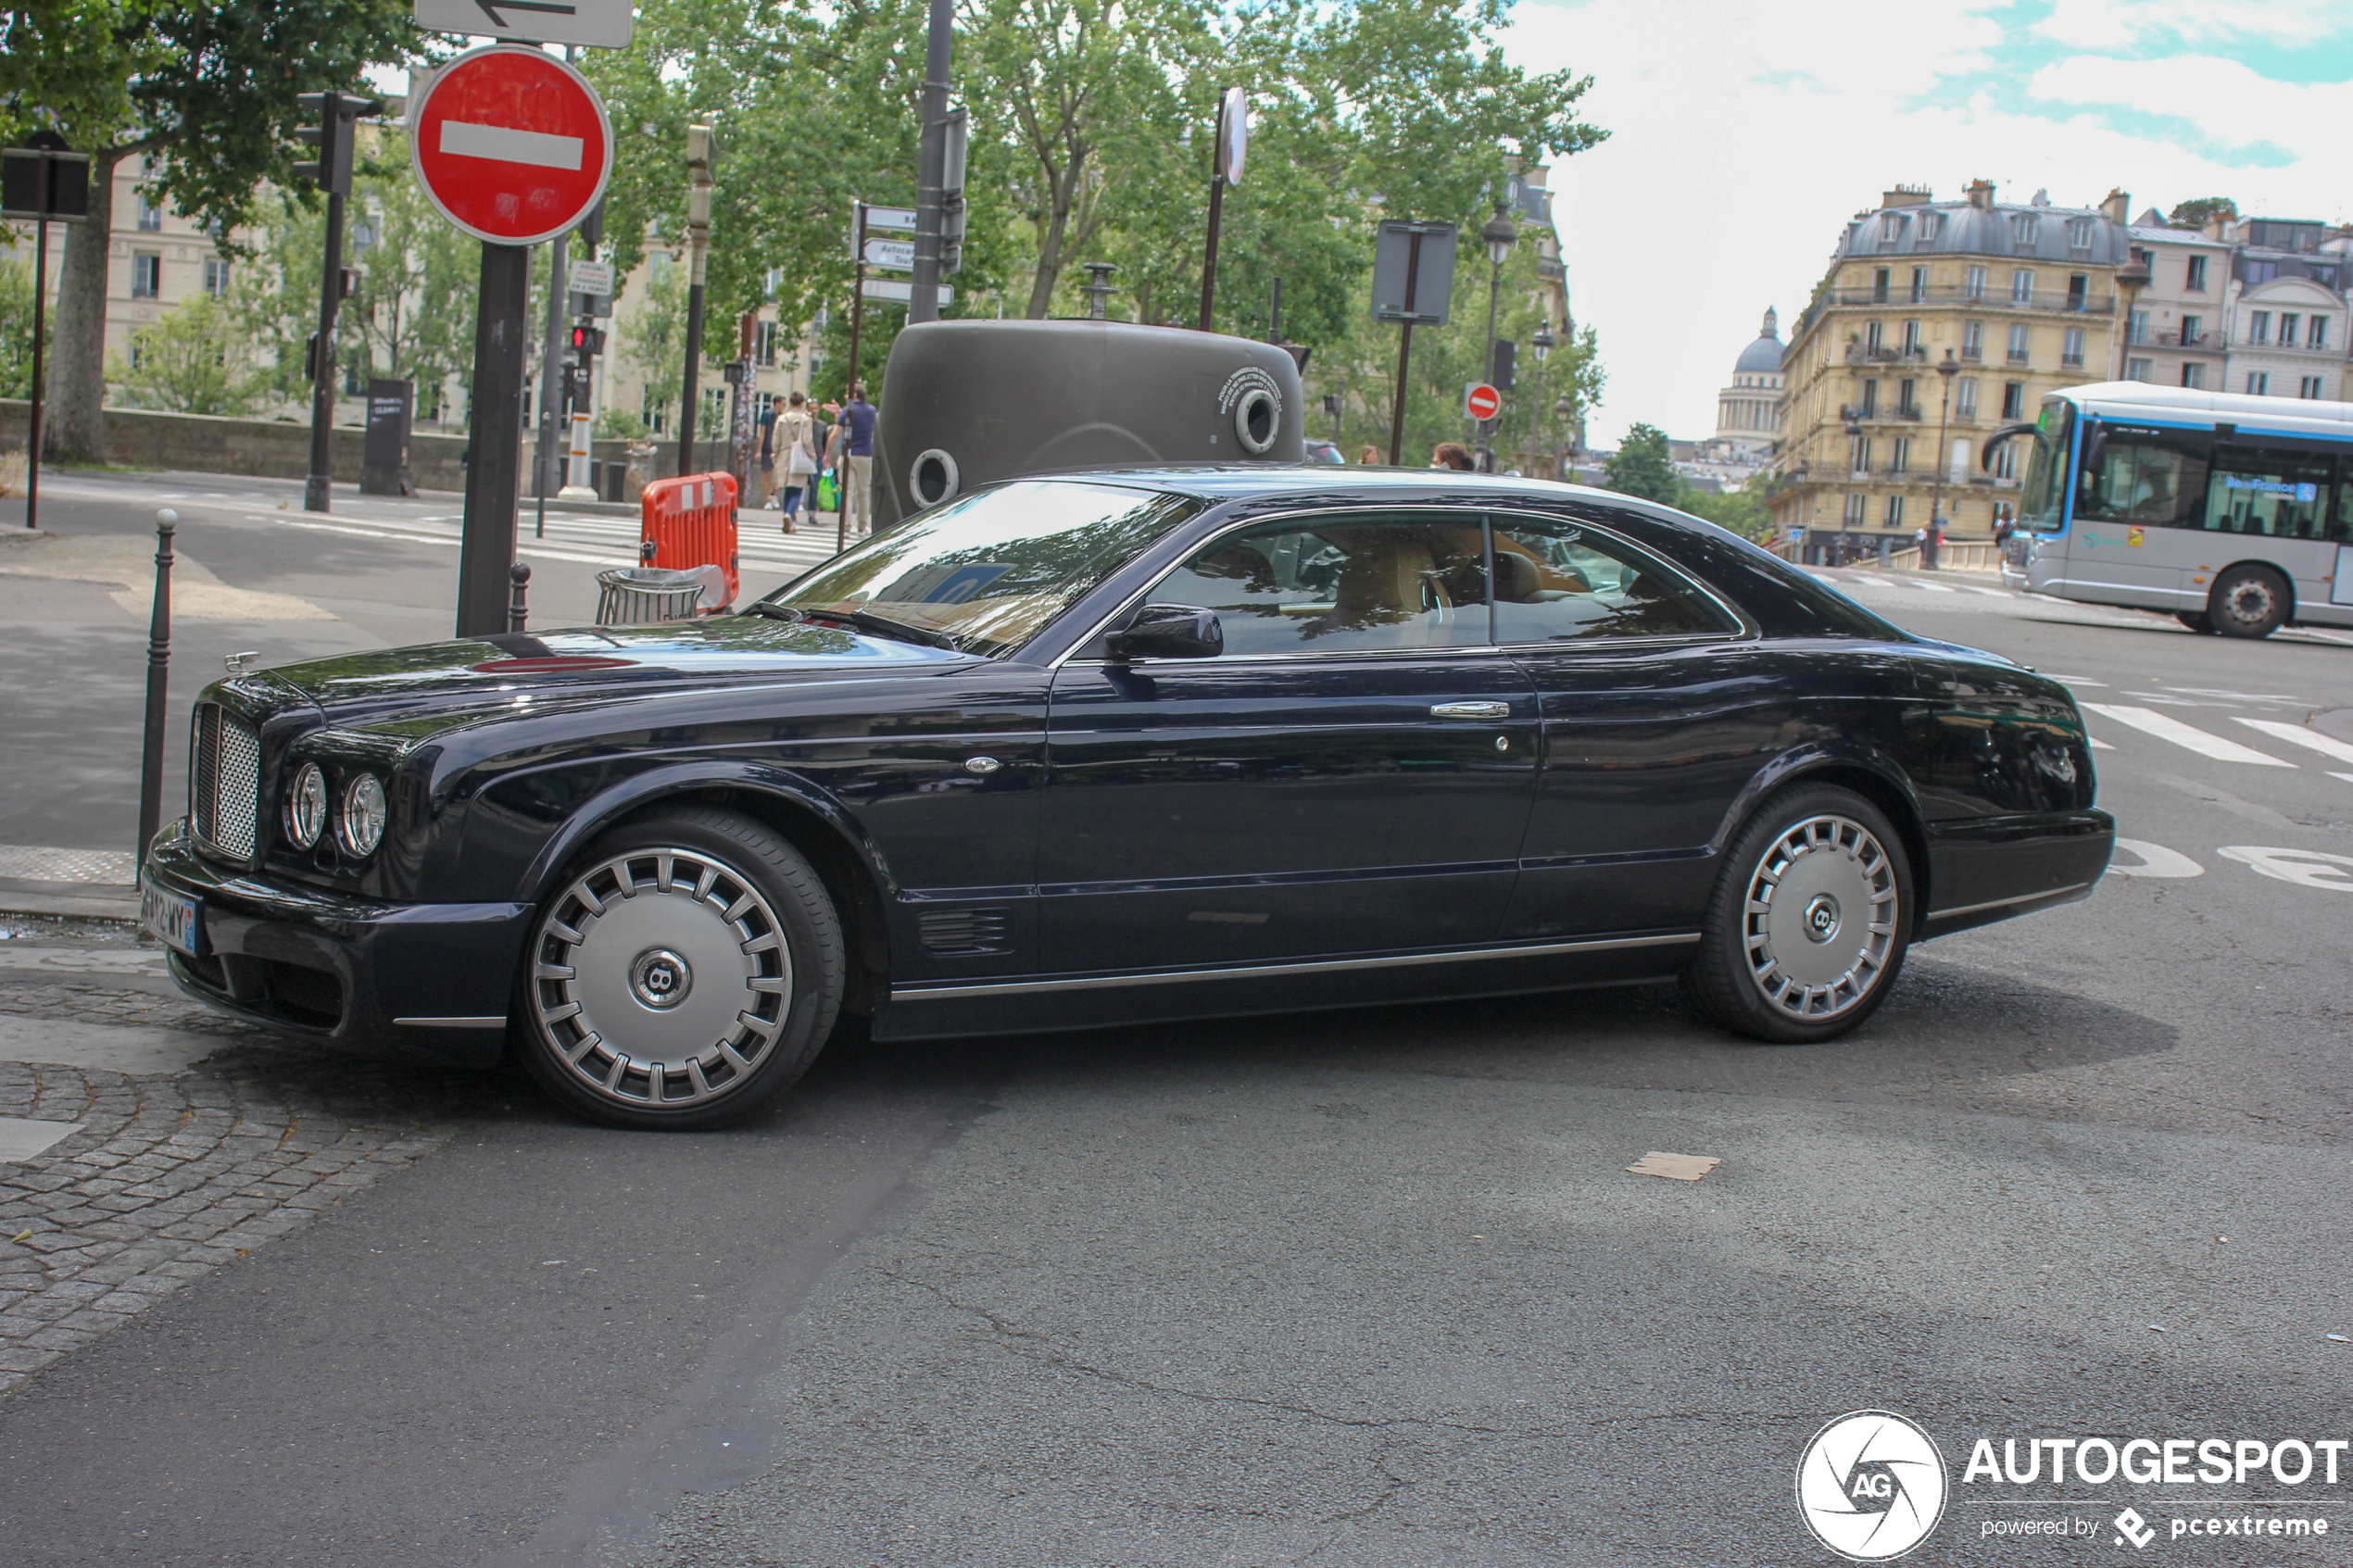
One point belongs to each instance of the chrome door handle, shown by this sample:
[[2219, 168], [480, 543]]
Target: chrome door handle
[[1470, 710]]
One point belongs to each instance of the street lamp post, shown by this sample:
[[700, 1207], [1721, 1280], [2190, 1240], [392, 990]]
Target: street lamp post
[[1564, 410], [1946, 371], [1542, 342], [698, 184], [1499, 235], [2132, 277]]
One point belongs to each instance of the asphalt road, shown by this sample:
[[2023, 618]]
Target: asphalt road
[[1355, 1288]]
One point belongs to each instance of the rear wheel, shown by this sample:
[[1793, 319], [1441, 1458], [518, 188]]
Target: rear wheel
[[2248, 601], [1807, 928], [687, 970]]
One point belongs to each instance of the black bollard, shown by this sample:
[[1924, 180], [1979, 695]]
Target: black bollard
[[517, 614], [158, 686]]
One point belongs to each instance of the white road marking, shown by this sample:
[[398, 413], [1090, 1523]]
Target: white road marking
[[1990, 593], [1931, 588], [2099, 745], [2298, 735], [2324, 636], [2078, 681], [2164, 726], [508, 144], [2155, 861], [1874, 581], [2333, 873], [2347, 777]]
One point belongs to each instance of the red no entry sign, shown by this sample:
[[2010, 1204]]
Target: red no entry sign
[[512, 145], [1481, 401]]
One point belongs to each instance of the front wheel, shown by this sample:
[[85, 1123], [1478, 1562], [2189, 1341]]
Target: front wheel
[[687, 970], [2248, 601], [1808, 924], [2196, 621]]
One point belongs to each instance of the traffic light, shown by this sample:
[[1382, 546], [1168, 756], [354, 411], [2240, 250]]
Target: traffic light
[[330, 171], [1506, 358], [952, 192], [588, 340]]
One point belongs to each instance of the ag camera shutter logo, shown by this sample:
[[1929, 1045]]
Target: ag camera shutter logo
[[1871, 1486]]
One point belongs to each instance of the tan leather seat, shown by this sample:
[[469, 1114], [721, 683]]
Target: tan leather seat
[[1390, 580]]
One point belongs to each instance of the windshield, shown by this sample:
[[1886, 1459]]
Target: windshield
[[983, 574], [2038, 499]]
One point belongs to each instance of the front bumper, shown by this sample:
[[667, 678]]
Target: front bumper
[[431, 979]]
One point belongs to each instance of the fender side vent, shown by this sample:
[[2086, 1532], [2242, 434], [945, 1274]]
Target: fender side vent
[[966, 933]]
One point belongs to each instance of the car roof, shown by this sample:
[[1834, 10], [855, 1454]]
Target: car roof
[[1226, 482]]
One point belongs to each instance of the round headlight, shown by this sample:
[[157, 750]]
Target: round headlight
[[306, 807], [362, 825]]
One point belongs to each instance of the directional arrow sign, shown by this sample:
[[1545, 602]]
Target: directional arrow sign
[[512, 145], [892, 289], [1481, 401], [899, 256], [602, 24]]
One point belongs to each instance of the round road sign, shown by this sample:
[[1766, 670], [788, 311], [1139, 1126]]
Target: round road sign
[[1481, 401], [512, 144], [1233, 135]]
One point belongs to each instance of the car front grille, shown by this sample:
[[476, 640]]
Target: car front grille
[[224, 782]]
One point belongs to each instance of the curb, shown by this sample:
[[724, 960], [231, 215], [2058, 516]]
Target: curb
[[86, 901]]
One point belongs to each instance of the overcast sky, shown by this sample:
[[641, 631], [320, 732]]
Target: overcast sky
[[1744, 133]]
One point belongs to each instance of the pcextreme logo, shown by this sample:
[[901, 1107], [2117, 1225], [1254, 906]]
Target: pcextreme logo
[[1871, 1486]]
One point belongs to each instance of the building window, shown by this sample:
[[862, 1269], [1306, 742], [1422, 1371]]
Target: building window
[[1972, 340], [654, 408], [2193, 329], [1871, 337], [216, 276], [2071, 352], [1975, 287], [2006, 461], [1912, 340], [150, 214], [2259, 327], [2317, 334], [1965, 397], [2194, 273], [1879, 286], [2078, 287], [1905, 406], [1891, 230], [2018, 344], [1931, 224], [1858, 455], [2022, 286], [1870, 400], [2013, 402], [2136, 327], [1894, 517], [2194, 377], [2258, 383], [1900, 460], [146, 275], [2022, 230], [1856, 505], [764, 346], [2078, 235], [1919, 285], [2287, 329], [2309, 388], [2139, 369]]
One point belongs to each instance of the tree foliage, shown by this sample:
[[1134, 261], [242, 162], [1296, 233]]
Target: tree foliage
[[1742, 511], [2193, 213], [1642, 466], [16, 327], [187, 360]]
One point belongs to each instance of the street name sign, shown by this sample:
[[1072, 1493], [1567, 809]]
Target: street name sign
[[899, 220], [899, 256], [512, 144], [892, 289], [1481, 401], [600, 24]]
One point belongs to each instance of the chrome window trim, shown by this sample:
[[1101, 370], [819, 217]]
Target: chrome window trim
[[1747, 630], [1027, 986]]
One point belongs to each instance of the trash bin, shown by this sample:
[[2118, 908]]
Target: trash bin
[[642, 596]]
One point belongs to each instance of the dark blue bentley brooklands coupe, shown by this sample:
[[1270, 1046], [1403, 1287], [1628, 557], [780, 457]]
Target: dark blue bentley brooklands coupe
[[1116, 746]]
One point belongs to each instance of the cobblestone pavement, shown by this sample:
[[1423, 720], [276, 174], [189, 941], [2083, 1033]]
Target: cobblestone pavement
[[170, 1177]]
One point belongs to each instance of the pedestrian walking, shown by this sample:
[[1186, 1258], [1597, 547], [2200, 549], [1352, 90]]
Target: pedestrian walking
[[797, 448], [854, 461], [1369, 456], [1451, 455], [768, 455], [1934, 544]]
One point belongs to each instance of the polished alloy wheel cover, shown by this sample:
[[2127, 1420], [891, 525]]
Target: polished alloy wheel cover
[[661, 978], [1820, 918]]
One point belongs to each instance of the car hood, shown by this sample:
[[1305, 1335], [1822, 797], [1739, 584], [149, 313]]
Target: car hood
[[444, 681]]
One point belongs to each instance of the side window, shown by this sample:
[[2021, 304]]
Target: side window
[[1559, 581], [2147, 478], [1347, 582], [2283, 494]]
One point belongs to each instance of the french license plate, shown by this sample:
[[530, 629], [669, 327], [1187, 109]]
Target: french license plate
[[178, 919]]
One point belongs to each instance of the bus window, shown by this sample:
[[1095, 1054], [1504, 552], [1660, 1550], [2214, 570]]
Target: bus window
[[2280, 495], [2144, 476], [2038, 499]]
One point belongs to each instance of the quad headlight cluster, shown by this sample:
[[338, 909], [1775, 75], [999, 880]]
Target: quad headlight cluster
[[358, 816]]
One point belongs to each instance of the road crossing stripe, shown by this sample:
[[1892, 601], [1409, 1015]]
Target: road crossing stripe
[[2099, 745], [2164, 726], [1930, 587], [2297, 735], [1990, 593], [1874, 581]]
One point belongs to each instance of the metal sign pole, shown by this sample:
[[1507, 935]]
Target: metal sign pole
[[551, 377], [1406, 344], [40, 335], [923, 294], [494, 450]]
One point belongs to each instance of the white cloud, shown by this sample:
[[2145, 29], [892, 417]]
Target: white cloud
[[2108, 24], [1744, 135]]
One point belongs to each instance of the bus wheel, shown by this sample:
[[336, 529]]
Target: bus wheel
[[2196, 621], [2247, 601]]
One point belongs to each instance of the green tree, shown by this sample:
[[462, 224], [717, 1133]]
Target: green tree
[[15, 328], [204, 92], [1641, 467], [1742, 511], [2193, 213], [187, 361]]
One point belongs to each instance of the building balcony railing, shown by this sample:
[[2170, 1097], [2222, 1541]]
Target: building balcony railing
[[2211, 343], [1972, 355], [2321, 353], [2015, 357], [2071, 361], [1862, 354], [1881, 416], [2063, 300]]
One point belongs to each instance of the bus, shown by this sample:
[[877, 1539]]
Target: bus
[[2230, 513]]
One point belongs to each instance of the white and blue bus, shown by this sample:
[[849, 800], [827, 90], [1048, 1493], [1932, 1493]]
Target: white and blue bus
[[2232, 513]]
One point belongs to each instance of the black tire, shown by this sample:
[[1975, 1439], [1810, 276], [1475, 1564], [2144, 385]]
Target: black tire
[[2248, 601], [2196, 621], [1860, 897], [696, 1007]]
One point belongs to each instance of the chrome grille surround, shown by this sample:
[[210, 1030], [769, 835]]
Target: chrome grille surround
[[224, 782]]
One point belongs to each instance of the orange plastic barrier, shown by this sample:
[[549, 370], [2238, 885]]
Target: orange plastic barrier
[[690, 522]]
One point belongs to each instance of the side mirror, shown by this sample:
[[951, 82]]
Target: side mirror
[[1169, 632]]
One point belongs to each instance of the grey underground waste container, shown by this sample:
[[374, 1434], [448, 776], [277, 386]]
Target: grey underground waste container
[[965, 402], [643, 596]]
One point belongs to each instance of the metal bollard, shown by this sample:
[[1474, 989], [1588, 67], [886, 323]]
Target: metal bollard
[[158, 688], [517, 613]]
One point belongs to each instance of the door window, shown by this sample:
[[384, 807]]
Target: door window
[[1344, 584], [2155, 477], [1558, 581], [2283, 494]]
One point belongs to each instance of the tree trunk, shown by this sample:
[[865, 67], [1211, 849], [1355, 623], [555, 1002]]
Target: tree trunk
[[73, 430]]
